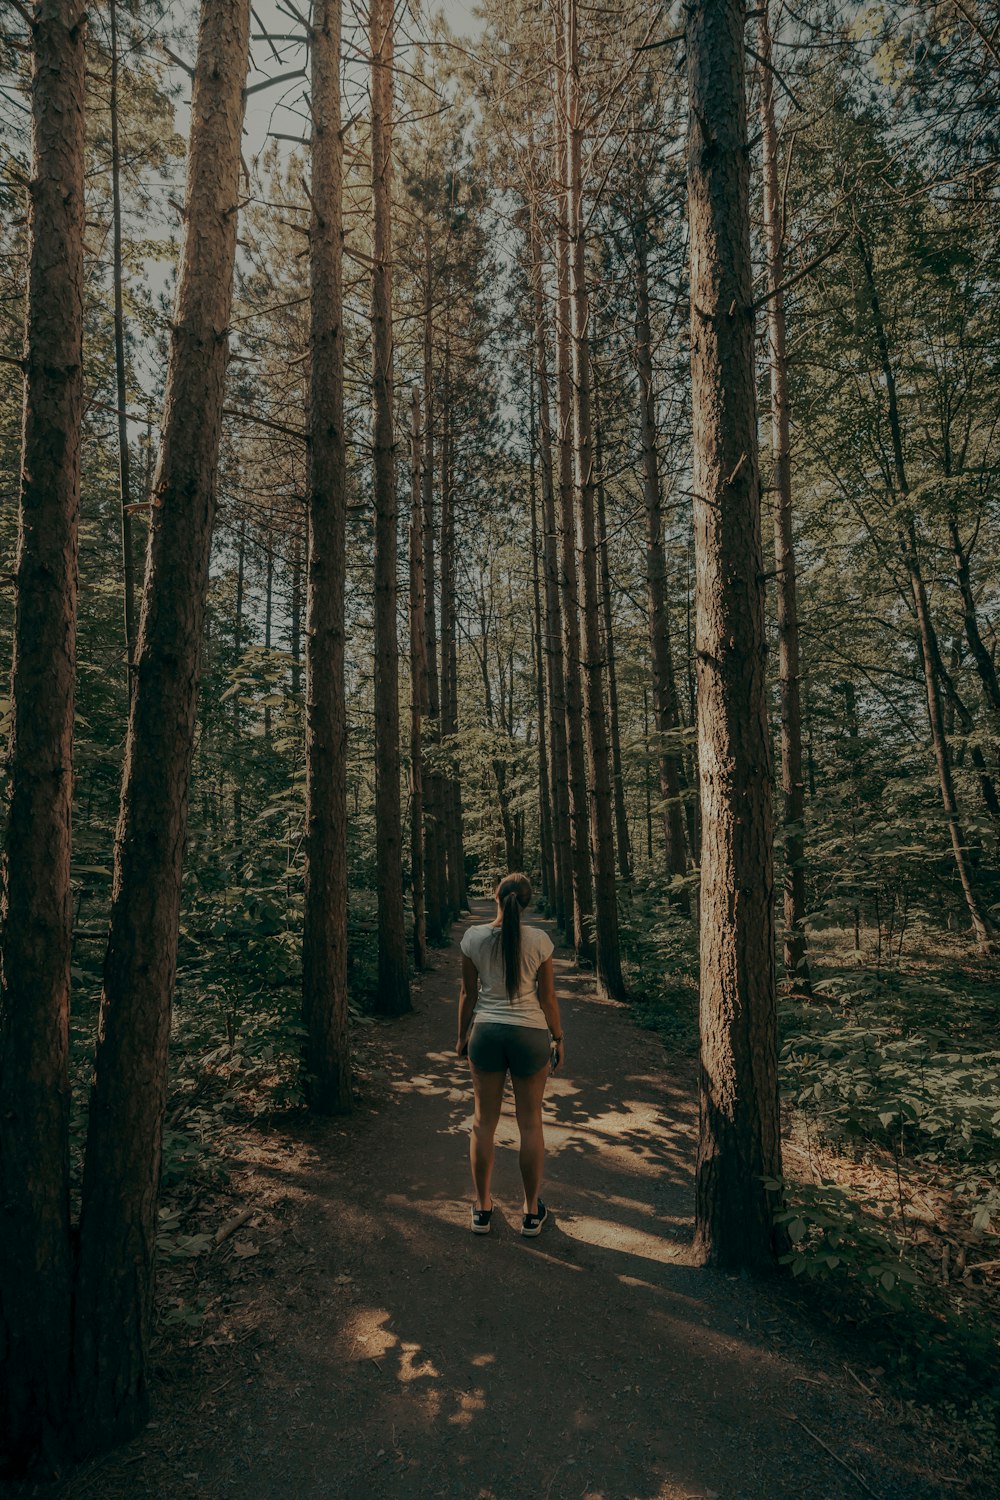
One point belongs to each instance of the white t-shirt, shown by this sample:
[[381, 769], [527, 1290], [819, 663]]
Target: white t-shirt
[[482, 945]]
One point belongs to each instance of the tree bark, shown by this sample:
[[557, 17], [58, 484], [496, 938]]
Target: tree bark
[[545, 851], [434, 845], [576, 764], [796, 958], [393, 996], [666, 713], [124, 478], [929, 645], [295, 623], [738, 1144], [324, 925], [455, 858], [602, 839], [553, 649], [122, 1168], [985, 665], [418, 686], [623, 842], [35, 1267]]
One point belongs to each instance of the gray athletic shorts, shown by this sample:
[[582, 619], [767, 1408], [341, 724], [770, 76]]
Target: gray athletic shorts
[[494, 1046]]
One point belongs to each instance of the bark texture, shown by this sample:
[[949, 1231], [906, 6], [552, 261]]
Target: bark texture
[[393, 995], [37, 911], [600, 805], [122, 1168], [623, 841], [545, 852], [435, 875], [124, 464], [418, 686], [324, 930], [576, 760], [786, 590], [666, 711], [738, 1133], [454, 853], [552, 649]]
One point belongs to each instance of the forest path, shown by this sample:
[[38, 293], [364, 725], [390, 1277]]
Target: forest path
[[402, 1356]]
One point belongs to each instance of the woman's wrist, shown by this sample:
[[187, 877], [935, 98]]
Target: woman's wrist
[[554, 1037]]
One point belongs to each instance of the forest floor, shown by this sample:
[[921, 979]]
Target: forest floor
[[356, 1340]]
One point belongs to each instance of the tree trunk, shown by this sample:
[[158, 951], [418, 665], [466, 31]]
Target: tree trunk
[[602, 839], [295, 623], [553, 649], [324, 919], [985, 665], [545, 850], [434, 842], [418, 686], [125, 487], [241, 558], [268, 617], [122, 1169], [739, 1143], [929, 645], [393, 996], [666, 714], [576, 765], [37, 904], [455, 859], [796, 957], [623, 842]]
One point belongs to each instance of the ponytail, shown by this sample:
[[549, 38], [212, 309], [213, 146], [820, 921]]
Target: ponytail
[[513, 894]]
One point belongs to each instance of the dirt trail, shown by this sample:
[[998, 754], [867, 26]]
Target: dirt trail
[[596, 1362]]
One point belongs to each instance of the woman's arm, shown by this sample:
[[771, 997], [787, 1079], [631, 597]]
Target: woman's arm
[[467, 997], [546, 981]]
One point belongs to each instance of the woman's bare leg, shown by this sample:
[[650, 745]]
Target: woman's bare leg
[[528, 1094], [489, 1100]]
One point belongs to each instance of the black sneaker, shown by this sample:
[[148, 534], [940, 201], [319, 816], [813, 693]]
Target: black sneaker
[[531, 1224], [482, 1218]]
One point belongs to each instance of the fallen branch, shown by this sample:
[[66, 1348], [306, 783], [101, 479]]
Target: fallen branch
[[835, 1456], [231, 1225]]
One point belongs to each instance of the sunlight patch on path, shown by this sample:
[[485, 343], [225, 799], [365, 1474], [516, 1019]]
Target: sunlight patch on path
[[605, 1234]]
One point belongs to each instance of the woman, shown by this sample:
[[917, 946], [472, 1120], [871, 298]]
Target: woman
[[509, 1000]]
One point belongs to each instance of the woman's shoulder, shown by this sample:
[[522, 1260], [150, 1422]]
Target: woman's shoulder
[[472, 936], [540, 941]]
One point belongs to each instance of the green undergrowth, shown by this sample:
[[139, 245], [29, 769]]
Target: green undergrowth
[[890, 1082], [660, 962]]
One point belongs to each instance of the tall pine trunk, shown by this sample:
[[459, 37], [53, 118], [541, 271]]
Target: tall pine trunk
[[792, 789], [546, 852], [435, 875], [623, 842], [324, 927], [553, 646], [739, 1144], [666, 712], [124, 475], [37, 905], [418, 686], [576, 760], [393, 996], [600, 808], [122, 1168], [454, 855]]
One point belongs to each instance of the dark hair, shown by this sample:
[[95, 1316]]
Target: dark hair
[[513, 895]]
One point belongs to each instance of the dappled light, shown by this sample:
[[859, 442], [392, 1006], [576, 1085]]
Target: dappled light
[[499, 896]]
